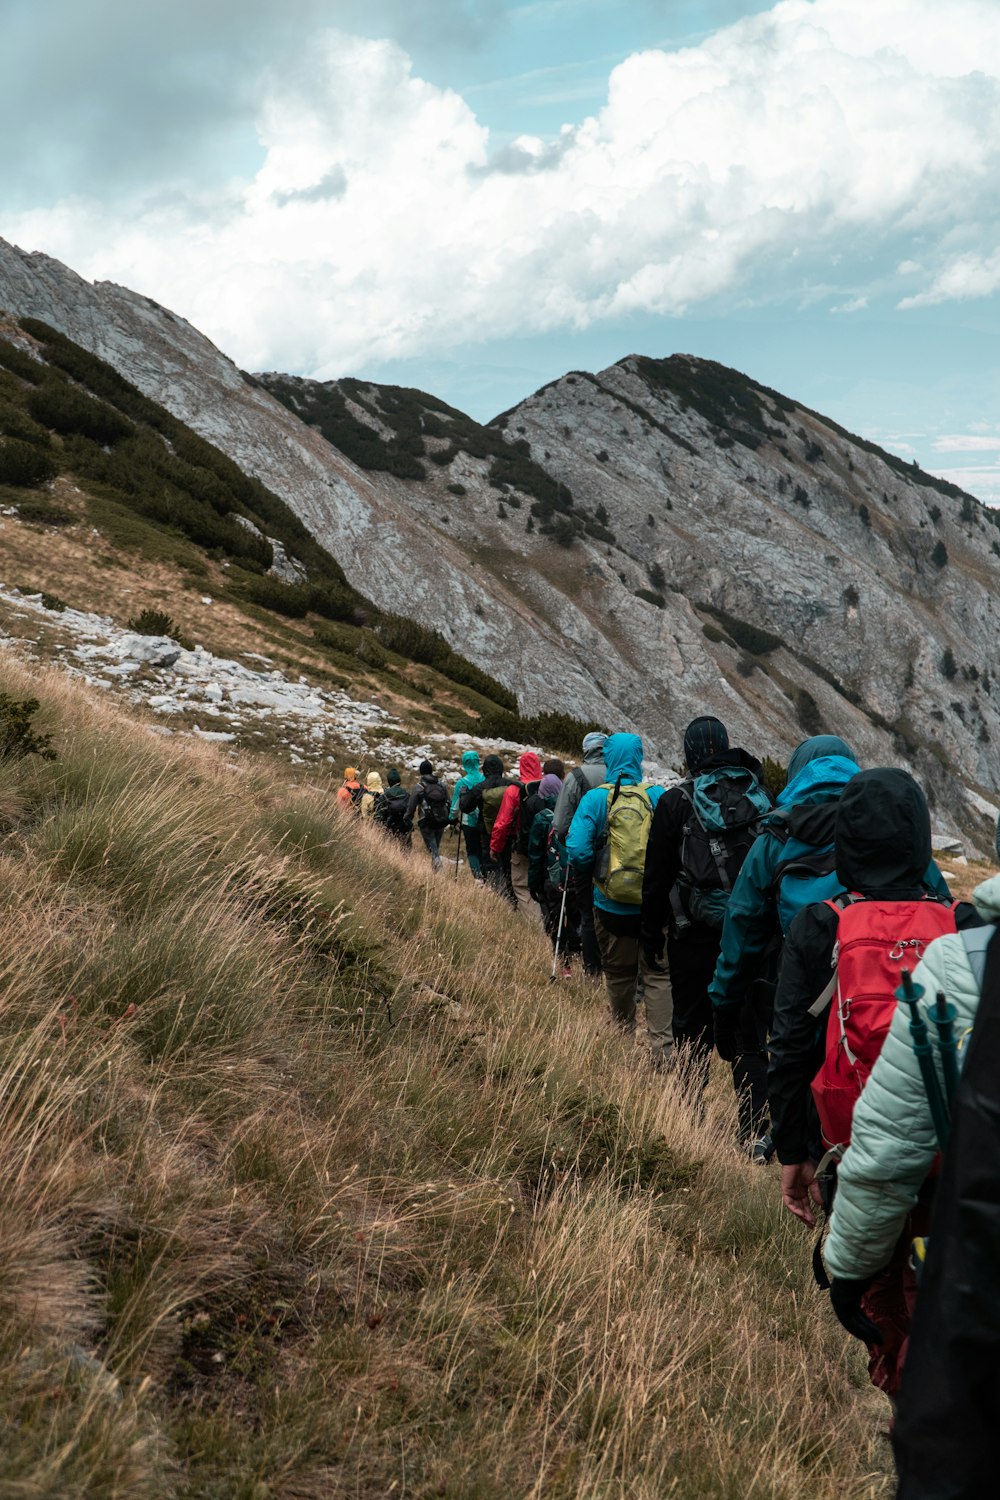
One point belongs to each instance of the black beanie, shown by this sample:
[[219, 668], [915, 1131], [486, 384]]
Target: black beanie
[[703, 738], [426, 769], [393, 777], [492, 766]]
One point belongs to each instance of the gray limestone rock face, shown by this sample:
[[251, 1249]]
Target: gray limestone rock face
[[714, 547]]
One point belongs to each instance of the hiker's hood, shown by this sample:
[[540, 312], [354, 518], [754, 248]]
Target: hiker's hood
[[986, 899], [623, 757], [373, 781], [350, 774], [818, 748], [821, 777], [732, 757], [549, 786], [593, 747], [493, 766], [470, 766], [529, 767], [883, 835]]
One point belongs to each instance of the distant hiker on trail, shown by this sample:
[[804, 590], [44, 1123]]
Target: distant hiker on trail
[[827, 1032], [350, 794], [583, 778], [372, 794], [512, 830], [701, 834], [948, 1415], [608, 836], [469, 822], [430, 799], [485, 797], [390, 812]]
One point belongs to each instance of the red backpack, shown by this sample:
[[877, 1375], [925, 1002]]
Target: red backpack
[[876, 941]]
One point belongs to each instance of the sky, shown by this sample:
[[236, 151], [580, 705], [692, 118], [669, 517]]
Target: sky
[[474, 196]]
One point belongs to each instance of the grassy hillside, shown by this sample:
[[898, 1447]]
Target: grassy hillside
[[314, 1187]]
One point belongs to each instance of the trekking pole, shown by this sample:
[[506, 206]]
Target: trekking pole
[[458, 851], [911, 994], [944, 1016], [562, 914]]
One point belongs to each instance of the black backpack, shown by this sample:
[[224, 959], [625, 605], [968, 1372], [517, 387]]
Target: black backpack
[[437, 804], [390, 808], [726, 808], [530, 806]]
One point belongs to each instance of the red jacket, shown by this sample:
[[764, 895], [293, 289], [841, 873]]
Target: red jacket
[[508, 819]]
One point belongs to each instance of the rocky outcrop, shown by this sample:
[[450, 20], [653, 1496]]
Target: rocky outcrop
[[662, 539]]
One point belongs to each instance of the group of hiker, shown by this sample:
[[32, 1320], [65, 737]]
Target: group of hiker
[[809, 938]]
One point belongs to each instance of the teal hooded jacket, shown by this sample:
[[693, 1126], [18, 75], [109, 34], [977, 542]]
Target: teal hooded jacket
[[471, 777]]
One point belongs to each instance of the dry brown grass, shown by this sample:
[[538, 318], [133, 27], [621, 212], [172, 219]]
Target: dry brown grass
[[315, 1188]]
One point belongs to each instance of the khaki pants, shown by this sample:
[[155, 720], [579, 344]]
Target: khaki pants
[[526, 904], [624, 966]]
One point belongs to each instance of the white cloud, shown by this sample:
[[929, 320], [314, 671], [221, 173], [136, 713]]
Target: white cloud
[[967, 443], [852, 305], [381, 224]]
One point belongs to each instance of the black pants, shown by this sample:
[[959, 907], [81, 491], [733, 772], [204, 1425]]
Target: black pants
[[692, 957], [583, 894]]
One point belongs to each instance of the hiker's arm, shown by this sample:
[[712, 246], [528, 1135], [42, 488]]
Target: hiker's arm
[[660, 873], [411, 805], [456, 796], [748, 928], [581, 839], [504, 821], [936, 883], [795, 1047], [893, 1145]]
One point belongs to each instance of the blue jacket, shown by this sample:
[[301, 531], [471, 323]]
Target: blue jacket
[[473, 775], [818, 772], [622, 757]]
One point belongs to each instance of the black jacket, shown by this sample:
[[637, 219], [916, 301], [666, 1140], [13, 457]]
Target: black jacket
[[883, 851], [663, 855]]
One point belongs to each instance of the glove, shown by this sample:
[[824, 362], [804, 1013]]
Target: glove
[[652, 955], [845, 1297], [535, 892], [728, 1032]]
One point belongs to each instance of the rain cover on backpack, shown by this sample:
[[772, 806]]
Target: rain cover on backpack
[[876, 941], [622, 858], [726, 807]]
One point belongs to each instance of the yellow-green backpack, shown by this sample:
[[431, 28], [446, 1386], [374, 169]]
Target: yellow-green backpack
[[622, 858]]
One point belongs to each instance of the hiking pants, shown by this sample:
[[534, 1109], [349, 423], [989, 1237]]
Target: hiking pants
[[526, 903], [432, 841], [474, 849], [624, 964], [583, 890], [692, 957]]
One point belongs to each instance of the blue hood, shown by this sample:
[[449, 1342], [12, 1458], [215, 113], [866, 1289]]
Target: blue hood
[[623, 757], [819, 747], [819, 780]]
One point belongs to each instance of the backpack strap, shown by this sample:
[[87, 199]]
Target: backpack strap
[[823, 999]]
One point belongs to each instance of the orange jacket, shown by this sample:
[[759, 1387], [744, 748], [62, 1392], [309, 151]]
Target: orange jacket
[[345, 795]]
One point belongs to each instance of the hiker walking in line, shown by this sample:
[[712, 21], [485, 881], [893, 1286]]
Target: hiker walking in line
[[349, 795], [430, 799], [790, 865], [469, 822], [547, 875], [373, 792], [391, 810], [583, 778], [484, 797], [608, 836], [827, 1031], [512, 829], [701, 834], [949, 1401]]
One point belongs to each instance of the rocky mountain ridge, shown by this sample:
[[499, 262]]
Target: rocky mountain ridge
[[660, 539]]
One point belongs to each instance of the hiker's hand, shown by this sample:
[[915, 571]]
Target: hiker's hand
[[800, 1190], [652, 957], [728, 1033], [845, 1298]]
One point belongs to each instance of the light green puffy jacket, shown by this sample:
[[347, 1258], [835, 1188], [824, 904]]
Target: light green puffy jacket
[[892, 1137]]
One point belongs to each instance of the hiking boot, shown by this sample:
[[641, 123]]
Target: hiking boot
[[761, 1151]]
